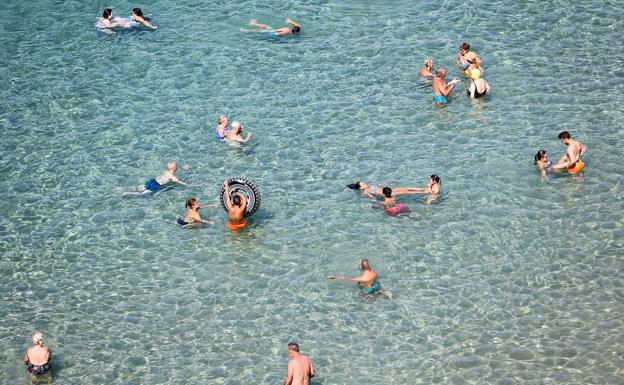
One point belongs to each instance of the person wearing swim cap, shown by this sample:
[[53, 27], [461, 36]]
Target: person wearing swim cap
[[157, 183], [573, 153], [235, 134], [37, 357], [425, 72], [367, 281], [192, 215], [293, 29], [300, 368], [236, 207], [478, 86], [440, 88]]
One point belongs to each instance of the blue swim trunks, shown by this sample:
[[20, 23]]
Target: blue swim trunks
[[152, 185], [439, 99], [374, 288], [271, 32]]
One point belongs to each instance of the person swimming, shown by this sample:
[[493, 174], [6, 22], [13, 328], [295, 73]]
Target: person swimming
[[156, 184], [372, 190], [136, 19], [367, 281], [222, 128], [293, 29], [192, 215]]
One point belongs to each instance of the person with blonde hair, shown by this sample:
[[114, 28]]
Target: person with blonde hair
[[478, 86], [235, 134], [425, 72], [37, 357], [221, 130]]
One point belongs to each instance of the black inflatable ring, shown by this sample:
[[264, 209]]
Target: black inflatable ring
[[240, 184]]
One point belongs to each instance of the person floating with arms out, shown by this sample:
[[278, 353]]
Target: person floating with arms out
[[572, 159], [157, 183], [367, 281], [236, 207], [293, 29], [300, 368]]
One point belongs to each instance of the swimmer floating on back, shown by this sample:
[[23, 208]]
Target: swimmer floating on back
[[265, 28], [156, 184], [440, 88], [367, 280], [372, 189], [234, 135], [192, 213], [236, 207]]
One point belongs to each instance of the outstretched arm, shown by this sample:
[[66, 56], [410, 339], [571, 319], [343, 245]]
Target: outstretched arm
[[449, 87], [148, 24], [254, 22], [177, 180], [228, 200], [358, 278], [289, 21]]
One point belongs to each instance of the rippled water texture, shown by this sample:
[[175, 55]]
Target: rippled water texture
[[506, 279]]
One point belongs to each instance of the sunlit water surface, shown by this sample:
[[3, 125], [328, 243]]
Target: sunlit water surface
[[506, 279]]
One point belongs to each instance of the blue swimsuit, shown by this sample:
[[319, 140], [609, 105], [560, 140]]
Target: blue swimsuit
[[374, 288], [152, 185], [439, 99]]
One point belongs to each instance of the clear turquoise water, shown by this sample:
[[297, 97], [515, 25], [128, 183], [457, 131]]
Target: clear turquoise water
[[507, 279]]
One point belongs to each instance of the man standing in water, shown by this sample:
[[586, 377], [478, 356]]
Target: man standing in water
[[367, 280], [573, 153], [236, 207], [300, 368], [440, 88]]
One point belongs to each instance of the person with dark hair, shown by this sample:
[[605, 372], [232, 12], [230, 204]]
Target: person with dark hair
[[293, 29], [440, 88], [192, 213], [367, 281], [138, 18], [465, 57], [542, 163], [370, 190], [107, 21], [300, 368], [572, 159], [236, 207]]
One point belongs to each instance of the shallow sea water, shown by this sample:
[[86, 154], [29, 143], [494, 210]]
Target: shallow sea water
[[506, 279]]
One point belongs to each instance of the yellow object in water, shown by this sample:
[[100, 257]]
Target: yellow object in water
[[576, 167]]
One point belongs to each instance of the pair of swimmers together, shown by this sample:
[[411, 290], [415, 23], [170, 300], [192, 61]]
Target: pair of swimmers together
[[571, 161], [432, 189], [135, 20], [235, 205], [232, 135]]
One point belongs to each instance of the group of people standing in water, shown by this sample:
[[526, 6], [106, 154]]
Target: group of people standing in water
[[469, 63]]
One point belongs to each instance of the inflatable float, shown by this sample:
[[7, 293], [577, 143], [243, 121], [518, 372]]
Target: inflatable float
[[245, 186]]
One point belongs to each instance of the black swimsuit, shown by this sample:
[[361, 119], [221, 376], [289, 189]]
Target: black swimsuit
[[477, 94]]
